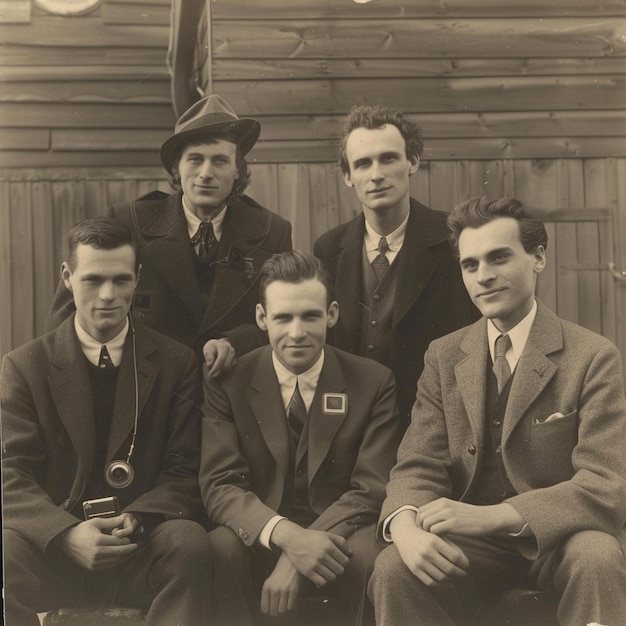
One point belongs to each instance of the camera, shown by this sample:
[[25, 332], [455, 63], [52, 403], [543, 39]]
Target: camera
[[101, 507], [119, 474]]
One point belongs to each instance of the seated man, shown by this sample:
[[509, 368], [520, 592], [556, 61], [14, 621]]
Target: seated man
[[99, 410], [513, 470], [297, 443]]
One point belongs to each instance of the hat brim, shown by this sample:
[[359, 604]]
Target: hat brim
[[244, 131]]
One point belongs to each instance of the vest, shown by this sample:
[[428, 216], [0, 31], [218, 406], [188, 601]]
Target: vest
[[377, 316], [493, 484]]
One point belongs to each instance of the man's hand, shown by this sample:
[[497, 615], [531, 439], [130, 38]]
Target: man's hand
[[443, 516], [318, 555], [219, 357], [99, 543], [430, 558], [281, 589]]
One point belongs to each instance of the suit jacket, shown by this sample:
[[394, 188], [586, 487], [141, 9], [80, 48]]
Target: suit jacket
[[430, 299], [168, 298], [569, 472], [245, 445], [48, 432]]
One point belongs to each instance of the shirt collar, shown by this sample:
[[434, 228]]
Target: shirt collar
[[395, 239], [91, 348], [518, 334], [307, 381], [193, 221]]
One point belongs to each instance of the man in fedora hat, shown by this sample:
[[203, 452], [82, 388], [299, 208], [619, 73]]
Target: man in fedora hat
[[201, 247]]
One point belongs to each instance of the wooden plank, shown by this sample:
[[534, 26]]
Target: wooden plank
[[45, 273], [24, 55], [110, 139], [15, 11], [567, 280], [301, 9], [82, 72], [87, 32], [547, 280], [21, 295], [24, 139], [405, 38], [114, 91], [82, 173], [264, 185], [293, 200], [88, 115], [289, 69], [443, 185], [17, 159], [6, 274], [589, 281], [136, 13], [428, 95]]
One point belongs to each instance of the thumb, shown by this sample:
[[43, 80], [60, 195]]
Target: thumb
[[341, 543], [108, 523]]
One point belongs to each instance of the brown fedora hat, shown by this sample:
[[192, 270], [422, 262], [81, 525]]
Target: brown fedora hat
[[210, 115]]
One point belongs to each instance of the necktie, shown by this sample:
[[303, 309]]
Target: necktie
[[296, 414], [105, 359], [500, 365], [204, 243], [380, 264]]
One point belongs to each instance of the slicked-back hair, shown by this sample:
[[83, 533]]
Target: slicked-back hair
[[240, 184], [377, 116], [106, 233], [481, 210], [293, 267]]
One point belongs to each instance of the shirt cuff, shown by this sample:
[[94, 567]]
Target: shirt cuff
[[387, 522], [266, 533], [525, 532]]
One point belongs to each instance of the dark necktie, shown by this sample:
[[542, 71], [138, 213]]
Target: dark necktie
[[500, 365], [204, 243], [105, 359], [296, 414], [380, 264]]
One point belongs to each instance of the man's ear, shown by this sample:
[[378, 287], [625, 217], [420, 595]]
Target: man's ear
[[540, 260], [261, 317], [66, 274], [347, 179], [138, 274], [414, 165], [333, 314]]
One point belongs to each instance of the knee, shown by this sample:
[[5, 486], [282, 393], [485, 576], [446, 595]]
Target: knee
[[183, 541], [228, 551], [593, 554], [389, 570]]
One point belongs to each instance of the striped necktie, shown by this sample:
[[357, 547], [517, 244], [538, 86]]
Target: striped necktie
[[296, 415], [500, 365], [380, 264], [105, 359]]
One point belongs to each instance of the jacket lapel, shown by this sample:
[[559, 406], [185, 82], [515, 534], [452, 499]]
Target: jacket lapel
[[267, 406], [123, 419], [169, 252], [416, 262], [240, 256], [534, 369], [348, 281], [322, 428], [471, 375], [71, 393]]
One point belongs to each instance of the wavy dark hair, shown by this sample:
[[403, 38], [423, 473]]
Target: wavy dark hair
[[377, 116], [478, 211]]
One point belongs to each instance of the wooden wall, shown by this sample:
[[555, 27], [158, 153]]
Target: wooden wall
[[523, 98]]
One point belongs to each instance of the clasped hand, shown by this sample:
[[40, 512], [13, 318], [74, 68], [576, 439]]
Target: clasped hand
[[100, 543], [219, 356]]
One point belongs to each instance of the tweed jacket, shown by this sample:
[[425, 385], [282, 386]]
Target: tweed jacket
[[245, 445], [569, 472], [168, 298], [430, 299], [48, 431]]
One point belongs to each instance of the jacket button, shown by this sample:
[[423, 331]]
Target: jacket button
[[498, 450], [472, 449], [497, 422], [377, 297], [373, 323], [370, 348]]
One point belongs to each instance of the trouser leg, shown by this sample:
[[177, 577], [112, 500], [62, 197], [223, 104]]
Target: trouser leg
[[588, 571]]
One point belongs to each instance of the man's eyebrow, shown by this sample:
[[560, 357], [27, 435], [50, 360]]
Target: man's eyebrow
[[489, 254]]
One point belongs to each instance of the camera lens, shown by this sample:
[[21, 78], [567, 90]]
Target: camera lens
[[119, 474]]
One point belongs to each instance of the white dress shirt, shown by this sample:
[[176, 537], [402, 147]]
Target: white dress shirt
[[193, 221], [92, 348], [395, 239]]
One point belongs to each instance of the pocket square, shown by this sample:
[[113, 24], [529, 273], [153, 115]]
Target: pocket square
[[550, 418]]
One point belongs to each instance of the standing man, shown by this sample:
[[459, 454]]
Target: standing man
[[95, 414], [297, 443], [201, 247], [513, 470], [392, 268]]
